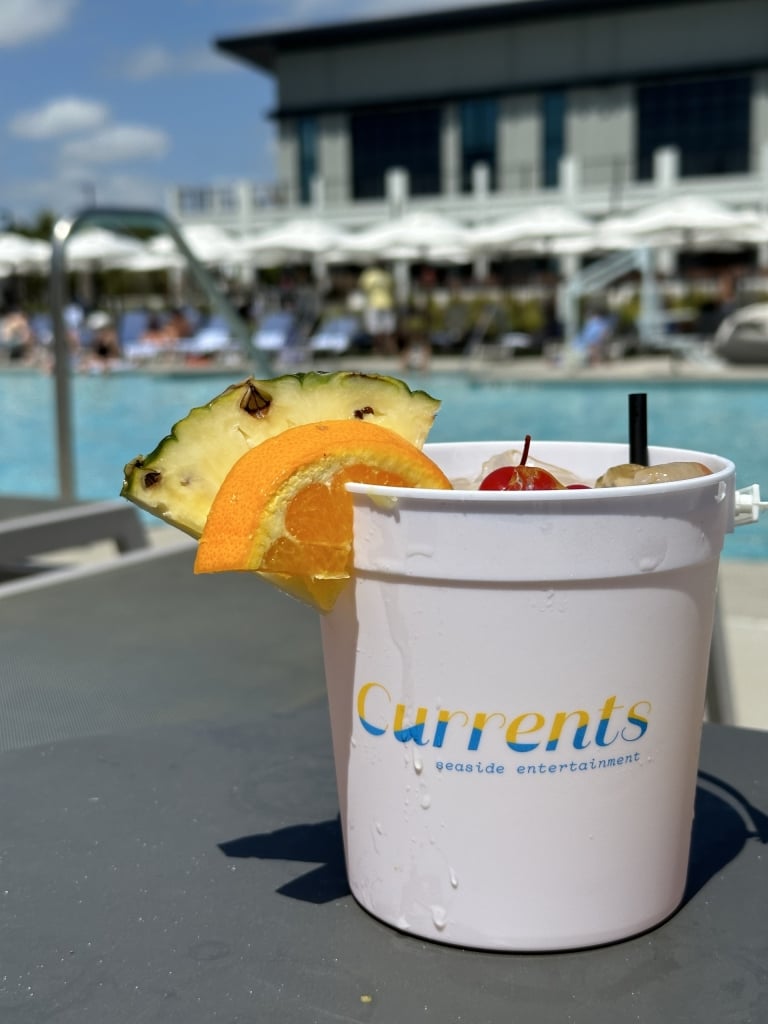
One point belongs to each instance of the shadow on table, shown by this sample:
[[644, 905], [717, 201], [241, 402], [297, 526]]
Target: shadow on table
[[320, 844], [724, 821]]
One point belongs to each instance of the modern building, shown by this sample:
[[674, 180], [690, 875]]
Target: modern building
[[480, 111]]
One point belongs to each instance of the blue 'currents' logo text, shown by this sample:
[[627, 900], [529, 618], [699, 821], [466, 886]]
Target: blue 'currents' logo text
[[522, 733]]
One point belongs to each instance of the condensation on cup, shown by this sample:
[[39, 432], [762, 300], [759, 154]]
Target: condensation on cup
[[517, 686]]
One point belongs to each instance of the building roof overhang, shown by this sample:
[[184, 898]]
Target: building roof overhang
[[264, 48]]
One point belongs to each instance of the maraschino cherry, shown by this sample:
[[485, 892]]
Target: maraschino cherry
[[521, 477]]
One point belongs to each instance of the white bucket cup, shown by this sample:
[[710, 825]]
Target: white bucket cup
[[517, 686]]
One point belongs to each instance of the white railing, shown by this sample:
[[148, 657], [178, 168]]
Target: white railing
[[235, 208], [597, 276]]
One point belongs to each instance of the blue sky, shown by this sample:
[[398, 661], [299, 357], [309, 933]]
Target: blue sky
[[120, 100]]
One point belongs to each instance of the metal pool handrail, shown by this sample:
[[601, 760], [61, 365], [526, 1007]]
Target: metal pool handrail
[[118, 218]]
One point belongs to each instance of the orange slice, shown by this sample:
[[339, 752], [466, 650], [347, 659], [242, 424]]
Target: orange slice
[[283, 509]]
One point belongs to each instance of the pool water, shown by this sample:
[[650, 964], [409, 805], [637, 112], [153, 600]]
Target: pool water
[[118, 417]]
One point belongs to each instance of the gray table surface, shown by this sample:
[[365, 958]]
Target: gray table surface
[[170, 851]]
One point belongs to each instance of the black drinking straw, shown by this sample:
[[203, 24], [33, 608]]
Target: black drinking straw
[[638, 429]]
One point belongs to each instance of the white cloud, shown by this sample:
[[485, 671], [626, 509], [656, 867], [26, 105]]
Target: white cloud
[[154, 61], [117, 143], [63, 116], [24, 21]]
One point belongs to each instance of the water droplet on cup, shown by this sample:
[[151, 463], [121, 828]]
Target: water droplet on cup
[[378, 832], [652, 556], [439, 917]]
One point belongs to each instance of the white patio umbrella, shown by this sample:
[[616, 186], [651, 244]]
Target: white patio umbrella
[[755, 225], [684, 221], [299, 240], [99, 247], [605, 236], [147, 261], [419, 235], [211, 245], [536, 230], [95, 249], [172, 264], [22, 255], [593, 244], [755, 233], [750, 229]]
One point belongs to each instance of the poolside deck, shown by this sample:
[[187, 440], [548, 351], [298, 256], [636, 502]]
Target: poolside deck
[[661, 367], [491, 365]]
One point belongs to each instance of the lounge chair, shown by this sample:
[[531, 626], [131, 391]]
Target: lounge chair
[[213, 337], [130, 330], [338, 336], [71, 526], [742, 337], [42, 328], [276, 332]]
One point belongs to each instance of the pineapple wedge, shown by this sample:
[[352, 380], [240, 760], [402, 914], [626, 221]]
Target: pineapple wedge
[[178, 480]]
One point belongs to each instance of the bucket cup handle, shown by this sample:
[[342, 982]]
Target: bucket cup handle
[[748, 504]]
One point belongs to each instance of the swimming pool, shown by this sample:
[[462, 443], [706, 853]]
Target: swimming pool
[[117, 417]]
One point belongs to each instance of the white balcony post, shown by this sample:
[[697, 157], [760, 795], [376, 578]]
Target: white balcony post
[[666, 174], [568, 265], [172, 202], [481, 189], [666, 169], [450, 149], [481, 182], [245, 204], [569, 179], [317, 193], [762, 248], [397, 187]]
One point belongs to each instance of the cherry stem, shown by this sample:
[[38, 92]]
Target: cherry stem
[[526, 449]]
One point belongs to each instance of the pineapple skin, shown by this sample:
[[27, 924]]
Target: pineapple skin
[[178, 481]]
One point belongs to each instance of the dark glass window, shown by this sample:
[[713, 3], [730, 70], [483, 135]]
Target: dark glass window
[[306, 133], [478, 139], [706, 119], [553, 136], [395, 138]]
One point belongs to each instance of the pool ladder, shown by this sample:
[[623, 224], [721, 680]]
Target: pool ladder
[[117, 219]]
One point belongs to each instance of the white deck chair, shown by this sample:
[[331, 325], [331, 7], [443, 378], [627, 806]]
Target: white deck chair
[[72, 526]]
